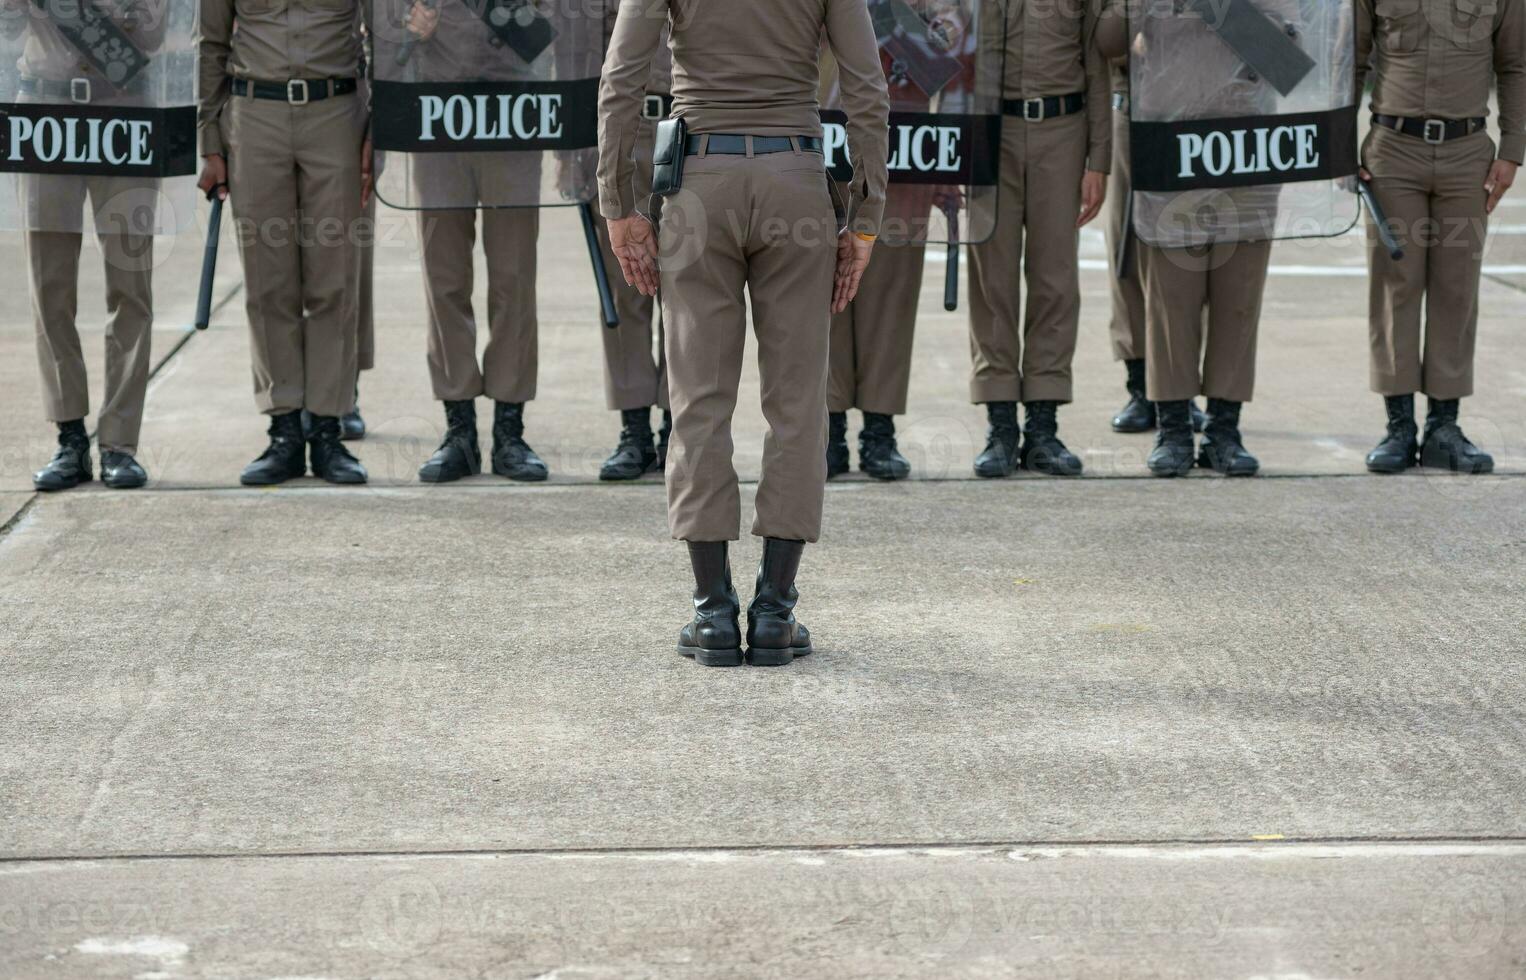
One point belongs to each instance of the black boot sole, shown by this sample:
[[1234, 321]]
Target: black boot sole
[[56, 488], [775, 657], [1390, 468], [1132, 429], [713, 658], [133, 483], [271, 481], [1449, 462]]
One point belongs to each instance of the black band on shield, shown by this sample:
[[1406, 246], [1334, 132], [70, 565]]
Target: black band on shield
[[98, 140], [464, 117], [927, 148], [1244, 151]]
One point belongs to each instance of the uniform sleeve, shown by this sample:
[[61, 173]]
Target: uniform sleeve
[[1510, 76], [1099, 95], [1364, 21], [214, 33], [1112, 37], [627, 67], [866, 101]]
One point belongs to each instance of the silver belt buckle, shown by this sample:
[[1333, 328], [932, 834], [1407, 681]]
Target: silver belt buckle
[[79, 91], [1033, 110], [651, 107], [294, 86], [1441, 131]]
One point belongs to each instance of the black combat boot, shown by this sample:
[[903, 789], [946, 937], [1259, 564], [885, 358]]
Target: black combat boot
[[286, 456], [878, 455], [663, 435], [713, 637], [1399, 449], [119, 471], [458, 455], [331, 460], [999, 458], [70, 465], [1139, 414], [351, 425], [1043, 452], [512, 456], [1199, 419], [1221, 449], [635, 454], [838, 461], [1444, 446], [1174, 450], [773, 635]]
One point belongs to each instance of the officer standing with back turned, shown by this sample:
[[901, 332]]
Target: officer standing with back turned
[[280, 79], [754, 214], [1438, 176]]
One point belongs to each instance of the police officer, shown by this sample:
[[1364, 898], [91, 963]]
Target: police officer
[[635, 376], [1127, 326], [1220, 282], [755, 214], [1056, 151], [283, 87], [456, 44], [52, 69], [1438, 176]]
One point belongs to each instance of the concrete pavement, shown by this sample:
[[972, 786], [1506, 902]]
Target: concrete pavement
[[1106, 727]]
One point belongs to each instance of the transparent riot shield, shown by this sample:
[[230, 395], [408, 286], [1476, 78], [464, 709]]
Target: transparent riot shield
[[1242, 120], [97, 115], [493, 103], [943, 66]]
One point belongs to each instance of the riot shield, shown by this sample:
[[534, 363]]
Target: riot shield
[[1242, 120], [97, 115], [943, 66], [497, 106]]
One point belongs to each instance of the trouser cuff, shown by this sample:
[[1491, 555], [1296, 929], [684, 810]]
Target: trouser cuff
[[1047, 390], [996, 390]]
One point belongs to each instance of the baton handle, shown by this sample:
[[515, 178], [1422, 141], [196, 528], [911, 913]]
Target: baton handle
[[1379, 219], [209, 263], [600, 273]]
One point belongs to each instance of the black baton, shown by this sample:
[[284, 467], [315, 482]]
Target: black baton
[[600, 273], [209, 260], [1379, 219], [951, 270]]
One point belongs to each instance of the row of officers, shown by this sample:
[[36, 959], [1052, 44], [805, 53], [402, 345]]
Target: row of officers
[[1184, 321]]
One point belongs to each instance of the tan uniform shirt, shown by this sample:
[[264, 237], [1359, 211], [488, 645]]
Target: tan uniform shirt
[[275, 40], [50, 57], [1435, 59], [745, 66], [662, 64], [1050, 51]]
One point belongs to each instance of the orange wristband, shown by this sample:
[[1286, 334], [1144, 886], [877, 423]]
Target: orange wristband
[[863, 237]]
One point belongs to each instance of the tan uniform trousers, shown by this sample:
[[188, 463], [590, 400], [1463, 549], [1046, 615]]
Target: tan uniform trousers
[[1180, 362], [872, 338], [1024, 354], [294, 182], [634, 375], [1127, 327], [1434, 198], [509, 363], [53, 262], [764, 224]]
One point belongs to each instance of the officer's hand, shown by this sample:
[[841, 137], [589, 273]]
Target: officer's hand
[[422, 20], [852, 259], [1365, 174], [1093, 191], [634, 242], [214, 173], [367, 183], [1501, 176]]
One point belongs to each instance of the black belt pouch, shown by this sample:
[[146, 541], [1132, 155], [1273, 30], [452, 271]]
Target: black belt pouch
[[668, 157]]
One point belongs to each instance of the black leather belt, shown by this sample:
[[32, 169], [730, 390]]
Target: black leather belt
[[733, 144], [1430, 130], [657, 105], [1037, 110], [297, 91], [77, 90]]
